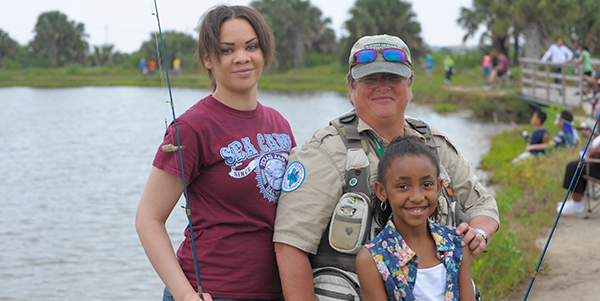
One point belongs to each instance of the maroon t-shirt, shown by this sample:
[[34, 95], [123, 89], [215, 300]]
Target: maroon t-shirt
[[504, 64], [233, 162]]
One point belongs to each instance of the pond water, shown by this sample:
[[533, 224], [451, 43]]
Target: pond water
[[74, 161]]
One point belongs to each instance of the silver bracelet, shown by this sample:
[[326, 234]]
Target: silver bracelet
[[485, 237]]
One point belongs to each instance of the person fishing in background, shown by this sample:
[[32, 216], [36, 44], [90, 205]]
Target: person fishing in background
[[152, 67], [486, 65], [448, 68], [143, 67], [176, 66], [539, 136], [575, 206], [428, 66], [566, 136], [499, 69], [235, 152]]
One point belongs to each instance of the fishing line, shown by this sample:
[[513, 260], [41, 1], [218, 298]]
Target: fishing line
[[179, 148], [162, 77], [579, 165]]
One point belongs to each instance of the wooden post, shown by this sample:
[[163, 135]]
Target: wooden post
[[521, 74], [564, 92], [548, 84]]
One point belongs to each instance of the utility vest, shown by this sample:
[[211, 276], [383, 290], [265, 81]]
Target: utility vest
[[352, 225]]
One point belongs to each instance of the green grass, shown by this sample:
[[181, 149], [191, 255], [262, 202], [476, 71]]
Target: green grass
[[526, 195], [463, 94]]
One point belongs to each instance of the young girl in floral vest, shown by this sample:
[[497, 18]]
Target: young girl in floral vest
[[412, 258]]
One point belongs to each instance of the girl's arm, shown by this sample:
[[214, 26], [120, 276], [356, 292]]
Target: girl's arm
[[536, 146], [160, 195], [465, 284], [371, 283]]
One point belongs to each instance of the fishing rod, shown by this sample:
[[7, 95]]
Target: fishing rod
[[178, 149], [579, 165], [512, 123]]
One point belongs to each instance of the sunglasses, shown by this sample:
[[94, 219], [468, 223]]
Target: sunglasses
[[366, 56]]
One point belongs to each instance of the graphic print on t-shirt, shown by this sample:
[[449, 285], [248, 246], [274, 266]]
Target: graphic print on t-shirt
[[269, 161]]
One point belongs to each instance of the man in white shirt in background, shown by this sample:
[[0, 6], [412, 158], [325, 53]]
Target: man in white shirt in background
[[560, 54]]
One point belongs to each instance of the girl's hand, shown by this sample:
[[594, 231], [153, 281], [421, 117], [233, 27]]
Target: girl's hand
[[196, 297]]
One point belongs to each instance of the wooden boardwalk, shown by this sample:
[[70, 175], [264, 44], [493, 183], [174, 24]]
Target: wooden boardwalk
[[538, 82]]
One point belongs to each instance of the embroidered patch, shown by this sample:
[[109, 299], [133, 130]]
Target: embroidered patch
[[293, 177]]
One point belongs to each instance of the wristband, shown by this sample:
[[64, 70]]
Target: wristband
[[485, 237]]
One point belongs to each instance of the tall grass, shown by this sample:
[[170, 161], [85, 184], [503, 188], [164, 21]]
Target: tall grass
[[526, 195]]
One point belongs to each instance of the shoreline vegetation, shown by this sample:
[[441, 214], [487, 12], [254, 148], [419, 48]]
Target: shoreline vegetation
[[526, 194], [446, 98]]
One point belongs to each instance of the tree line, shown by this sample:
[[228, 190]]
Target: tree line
[[531, 26], [304, 37]]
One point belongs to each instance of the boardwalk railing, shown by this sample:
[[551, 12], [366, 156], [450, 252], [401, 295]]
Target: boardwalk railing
[[542, 83]]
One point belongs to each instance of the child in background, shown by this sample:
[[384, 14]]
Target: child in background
[[448, 68], [411, 246], [428, 66], [566, 137], [486, 63], [539, 139]]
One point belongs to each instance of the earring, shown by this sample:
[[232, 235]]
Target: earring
[[383, 206]]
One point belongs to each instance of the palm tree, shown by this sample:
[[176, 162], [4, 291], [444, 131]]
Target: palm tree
[[542, 22], [298, 28], [539, 22], [373, 17], [8, 47], [59, 40], [492, 14]]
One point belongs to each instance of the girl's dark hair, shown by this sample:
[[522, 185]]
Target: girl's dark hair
[[209, 36], [401, 147]]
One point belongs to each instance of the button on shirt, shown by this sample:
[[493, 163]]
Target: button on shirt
[[559, 55]]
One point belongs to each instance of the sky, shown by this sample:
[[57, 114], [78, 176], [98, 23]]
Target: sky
[[127, 23]]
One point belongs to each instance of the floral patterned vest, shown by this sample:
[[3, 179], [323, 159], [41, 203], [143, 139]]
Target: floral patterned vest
[[397, 263]]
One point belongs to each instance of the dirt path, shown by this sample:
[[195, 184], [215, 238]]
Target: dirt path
[[573, 263]]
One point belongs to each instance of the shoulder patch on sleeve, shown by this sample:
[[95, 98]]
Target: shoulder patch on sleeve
[[293, 177]]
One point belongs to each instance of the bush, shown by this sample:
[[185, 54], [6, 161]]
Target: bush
[[443, 108], [317, 59], [74, 69]]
